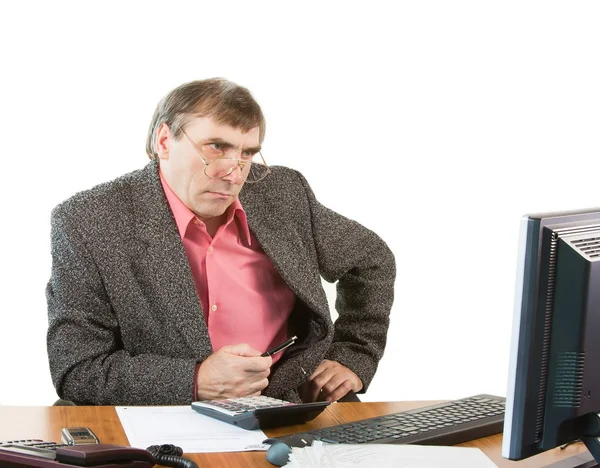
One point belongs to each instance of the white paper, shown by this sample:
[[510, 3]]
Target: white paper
[[321, 455], [186, 428]]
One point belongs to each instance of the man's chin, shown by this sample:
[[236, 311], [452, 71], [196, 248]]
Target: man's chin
[[213, 208]]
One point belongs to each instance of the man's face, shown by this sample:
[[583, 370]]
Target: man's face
[[183, 168]]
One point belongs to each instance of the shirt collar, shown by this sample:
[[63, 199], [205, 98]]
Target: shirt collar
[[236, 210], [184, 216]]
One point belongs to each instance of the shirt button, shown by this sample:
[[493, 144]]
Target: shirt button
[[210, 249], [213, 307]]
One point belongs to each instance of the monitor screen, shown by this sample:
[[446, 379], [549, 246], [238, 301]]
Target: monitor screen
[[553, 392]]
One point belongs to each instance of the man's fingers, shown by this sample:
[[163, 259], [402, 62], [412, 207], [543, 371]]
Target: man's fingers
[[241, 349], [230, 372], [322, 367], [339, 392], [257, 364], [316, 385], [323, 378], [248, 359], [331, 380], [259, 386], [332, 385], [256, 376]]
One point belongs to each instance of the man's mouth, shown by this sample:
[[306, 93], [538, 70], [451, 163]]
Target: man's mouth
[[220, 194]]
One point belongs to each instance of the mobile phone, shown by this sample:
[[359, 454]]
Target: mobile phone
[[78, 436]]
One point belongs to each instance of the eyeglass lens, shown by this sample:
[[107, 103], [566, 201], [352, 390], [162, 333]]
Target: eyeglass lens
[[251, 171]]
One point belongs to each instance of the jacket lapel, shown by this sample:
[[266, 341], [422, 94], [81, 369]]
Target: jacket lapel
[[162, 263], [282, 244]]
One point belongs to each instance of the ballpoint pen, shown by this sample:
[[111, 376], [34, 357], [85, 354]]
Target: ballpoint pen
[[280, 347]]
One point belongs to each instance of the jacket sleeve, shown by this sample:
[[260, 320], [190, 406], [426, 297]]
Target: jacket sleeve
[[364, 268], [88, 362]]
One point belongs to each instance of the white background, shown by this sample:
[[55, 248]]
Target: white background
[[437, 124]]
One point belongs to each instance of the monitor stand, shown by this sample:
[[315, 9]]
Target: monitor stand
[[589, 430], [581, 460]]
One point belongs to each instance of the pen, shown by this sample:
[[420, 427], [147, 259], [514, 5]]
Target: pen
[[280, 347]]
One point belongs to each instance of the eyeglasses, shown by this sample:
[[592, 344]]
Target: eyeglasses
[[252, 169]]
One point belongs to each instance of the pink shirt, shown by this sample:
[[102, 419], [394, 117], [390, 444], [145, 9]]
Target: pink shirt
[[243, 298]]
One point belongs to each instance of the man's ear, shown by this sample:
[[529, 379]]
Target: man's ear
[[163, 141]]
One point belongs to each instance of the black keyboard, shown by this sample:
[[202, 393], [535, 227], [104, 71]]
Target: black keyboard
[[448, 423]]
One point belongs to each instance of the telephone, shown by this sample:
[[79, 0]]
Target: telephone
[[39, 454]]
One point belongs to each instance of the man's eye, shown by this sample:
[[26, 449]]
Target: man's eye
[[217, 147], [248, 154]]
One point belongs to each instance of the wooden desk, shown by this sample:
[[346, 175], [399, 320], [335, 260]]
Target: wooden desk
[[22, 422]]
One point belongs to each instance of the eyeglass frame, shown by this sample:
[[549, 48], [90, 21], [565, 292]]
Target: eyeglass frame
[[241, 163]]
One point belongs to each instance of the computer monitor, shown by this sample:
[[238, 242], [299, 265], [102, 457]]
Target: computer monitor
[[553, 392]]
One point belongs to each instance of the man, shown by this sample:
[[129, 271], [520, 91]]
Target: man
[[169, 283]]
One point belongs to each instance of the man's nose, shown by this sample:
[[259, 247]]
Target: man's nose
[[236, 176]]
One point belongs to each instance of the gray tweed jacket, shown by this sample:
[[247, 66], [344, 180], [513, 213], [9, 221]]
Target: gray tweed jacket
[[125, 323]]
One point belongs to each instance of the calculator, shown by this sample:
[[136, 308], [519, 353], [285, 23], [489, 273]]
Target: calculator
[[259, 412]]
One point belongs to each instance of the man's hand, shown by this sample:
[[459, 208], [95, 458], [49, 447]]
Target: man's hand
[[331, 381], [233, 371]]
